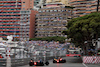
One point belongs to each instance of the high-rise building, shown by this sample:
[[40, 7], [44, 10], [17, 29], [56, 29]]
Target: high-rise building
[[39, 4], [65, 2], [27, 23], [52, 19], [27, 4], [11, 17], [83, 7], [36, 2]]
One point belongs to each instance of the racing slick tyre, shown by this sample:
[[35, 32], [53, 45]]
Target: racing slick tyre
[[63, 61], [54, 61], [31, 63], [39, 64], [47, 63]]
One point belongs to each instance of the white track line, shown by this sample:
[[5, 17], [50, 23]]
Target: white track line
[[84, 65]]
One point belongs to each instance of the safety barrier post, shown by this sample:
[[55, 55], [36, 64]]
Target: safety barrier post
[[8, 62]]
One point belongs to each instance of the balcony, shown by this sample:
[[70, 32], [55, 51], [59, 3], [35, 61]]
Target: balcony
[[10, 8], [10, 14], [10, 11], [23, 20], [9, 4], [9, 20], [3, 36], [9, 1], [9, 27], [9, 30], [9, 17], [25, 13], [10, 33]]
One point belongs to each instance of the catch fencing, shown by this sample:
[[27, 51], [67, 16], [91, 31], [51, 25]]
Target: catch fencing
[[91, 59]]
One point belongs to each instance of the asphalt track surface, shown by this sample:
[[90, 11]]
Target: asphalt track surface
[[70, 62]]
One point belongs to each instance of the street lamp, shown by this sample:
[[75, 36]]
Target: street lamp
[[86, 48]]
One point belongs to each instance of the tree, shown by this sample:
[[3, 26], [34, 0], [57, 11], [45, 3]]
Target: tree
[[54, 38], [84, 29]]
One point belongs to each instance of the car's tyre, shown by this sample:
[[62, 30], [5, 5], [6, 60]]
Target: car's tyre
[[54, 61], [42, 64], [64, 61], [47, 63], [31, 64]]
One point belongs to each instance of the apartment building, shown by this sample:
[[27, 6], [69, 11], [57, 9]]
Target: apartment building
[[52, 19], [39, 4], [27, 4], [65, 2], [12, 16], [83, 7], [27, 24]]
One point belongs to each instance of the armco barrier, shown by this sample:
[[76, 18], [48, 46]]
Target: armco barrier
[[91, 59], [25, 61], [2, 62], [21, 61]]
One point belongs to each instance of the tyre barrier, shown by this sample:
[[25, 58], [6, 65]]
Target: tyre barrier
[[91, 59]]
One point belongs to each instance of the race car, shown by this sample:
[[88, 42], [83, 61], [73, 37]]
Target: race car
[[41, 63], [38, 63], [59, 60]]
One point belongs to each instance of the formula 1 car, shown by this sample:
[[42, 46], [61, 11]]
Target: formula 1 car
[[60, 60], [40, 63]]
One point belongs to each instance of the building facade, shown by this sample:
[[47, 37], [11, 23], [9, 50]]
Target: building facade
[[27, 4], [83, 7], [39, 4], [65, 2], [13, 15], [52, 19], [10, 18], [27, 24], [36, 2]]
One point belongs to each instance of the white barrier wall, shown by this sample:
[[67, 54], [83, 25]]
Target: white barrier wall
[[98, 44], [91, 59]]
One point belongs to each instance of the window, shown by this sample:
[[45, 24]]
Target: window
[[23, 2], [23, 5]]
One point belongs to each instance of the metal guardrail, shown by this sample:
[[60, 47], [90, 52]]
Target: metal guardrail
[[15, 62], [21, 56], [19, 62], [2, 62], [23, 61]]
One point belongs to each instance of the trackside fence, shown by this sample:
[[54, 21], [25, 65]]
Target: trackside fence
[[91, 59]]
